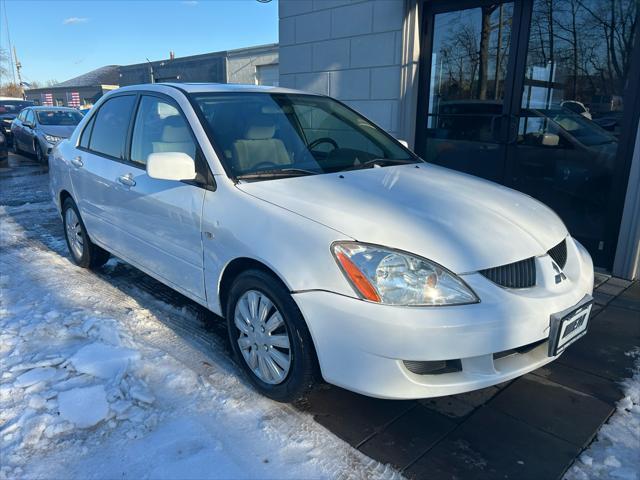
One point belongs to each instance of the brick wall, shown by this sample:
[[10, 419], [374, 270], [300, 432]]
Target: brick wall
[[349, 49]]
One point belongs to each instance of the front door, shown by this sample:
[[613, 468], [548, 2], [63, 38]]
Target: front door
[[531, 94], [161, 219]]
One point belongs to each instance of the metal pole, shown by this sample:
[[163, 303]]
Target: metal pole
[[153, 80]]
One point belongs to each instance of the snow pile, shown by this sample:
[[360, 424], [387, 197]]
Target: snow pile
[[60, 376], [615, 454], [103, 381]]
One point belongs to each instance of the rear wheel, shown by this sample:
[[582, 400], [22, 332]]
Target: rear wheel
[[83, 252], [269, 336]]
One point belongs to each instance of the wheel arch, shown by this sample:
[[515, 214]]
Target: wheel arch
[[234, 268], [241, 264], [62, 197]]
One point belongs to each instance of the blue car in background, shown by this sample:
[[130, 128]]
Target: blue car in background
[[38, 129]]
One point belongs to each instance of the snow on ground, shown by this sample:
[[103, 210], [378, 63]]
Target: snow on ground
[[615, 454], [98, 383]]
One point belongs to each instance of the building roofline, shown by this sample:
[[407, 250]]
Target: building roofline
[[221, 53]]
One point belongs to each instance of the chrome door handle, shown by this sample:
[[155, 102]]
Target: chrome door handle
[[77, 161], [127, 180]]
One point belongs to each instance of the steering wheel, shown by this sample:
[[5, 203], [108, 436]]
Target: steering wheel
[[320, 140]]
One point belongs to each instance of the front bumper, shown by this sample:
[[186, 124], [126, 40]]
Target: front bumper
[[362, 346]]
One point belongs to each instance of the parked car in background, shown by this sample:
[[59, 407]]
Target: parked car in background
[[324, 242], [576, 107], [4, 150], [37, 130], [9, 109]]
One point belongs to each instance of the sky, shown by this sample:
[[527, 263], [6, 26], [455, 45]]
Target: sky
[[58, 40]]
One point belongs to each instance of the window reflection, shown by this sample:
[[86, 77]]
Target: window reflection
[[578, 62], [468, 71]]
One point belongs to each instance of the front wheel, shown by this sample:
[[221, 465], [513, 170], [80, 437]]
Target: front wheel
[[269, 337], [39, 154], [83, 252]]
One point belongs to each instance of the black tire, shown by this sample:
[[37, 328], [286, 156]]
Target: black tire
[[14, 146], [303, 363], [39, 153], [92, 255]]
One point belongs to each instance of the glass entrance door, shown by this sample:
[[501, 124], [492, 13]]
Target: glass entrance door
[[531, 95], [469, 70]]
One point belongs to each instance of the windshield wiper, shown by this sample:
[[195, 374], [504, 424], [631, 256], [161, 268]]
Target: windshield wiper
[[380, 162], [276, 173]]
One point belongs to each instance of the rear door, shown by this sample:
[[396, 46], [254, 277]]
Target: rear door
[[16, 127], [28, 132], [161, 219]]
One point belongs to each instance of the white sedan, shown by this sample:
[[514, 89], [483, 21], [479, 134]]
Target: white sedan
[[330, 248]]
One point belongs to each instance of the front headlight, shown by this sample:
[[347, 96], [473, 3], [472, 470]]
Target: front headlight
[[52, 139], [391, 277]]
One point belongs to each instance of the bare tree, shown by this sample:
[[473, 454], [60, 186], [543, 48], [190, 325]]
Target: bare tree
[[485, 37], [4, 64]]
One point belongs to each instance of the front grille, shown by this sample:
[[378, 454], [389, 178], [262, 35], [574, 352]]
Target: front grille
[[559, 253], [520, 274]]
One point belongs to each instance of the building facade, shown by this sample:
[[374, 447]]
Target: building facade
[[539, 95], [80, 91], [254, 65]]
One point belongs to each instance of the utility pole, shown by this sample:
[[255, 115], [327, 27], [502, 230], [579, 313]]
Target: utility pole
[[6, 23], [18, 68], [153, 80]]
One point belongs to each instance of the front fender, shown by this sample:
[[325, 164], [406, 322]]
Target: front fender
[[238, 225]]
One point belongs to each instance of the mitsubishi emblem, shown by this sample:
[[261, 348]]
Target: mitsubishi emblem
[[560, 276]]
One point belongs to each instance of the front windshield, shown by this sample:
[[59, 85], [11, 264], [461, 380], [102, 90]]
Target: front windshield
[[58, 117], [293, 134]]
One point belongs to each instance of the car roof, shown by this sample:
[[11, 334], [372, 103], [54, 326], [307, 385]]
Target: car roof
[[44, 107], [213, 88]]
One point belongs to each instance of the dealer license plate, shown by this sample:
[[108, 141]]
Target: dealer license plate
[[568, 328]]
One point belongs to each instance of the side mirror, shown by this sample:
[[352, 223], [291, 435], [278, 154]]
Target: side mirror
[[171, 166], [550, 140]]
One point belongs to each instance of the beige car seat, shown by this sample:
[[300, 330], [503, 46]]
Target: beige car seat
[[258, 147], [175, 139]]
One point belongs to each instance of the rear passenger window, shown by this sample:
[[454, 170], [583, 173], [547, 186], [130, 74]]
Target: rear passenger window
[[109, 135], [159, 127], [86, 133]]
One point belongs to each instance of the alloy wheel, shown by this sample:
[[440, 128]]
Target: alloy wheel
[[74, 233], [263, 337]]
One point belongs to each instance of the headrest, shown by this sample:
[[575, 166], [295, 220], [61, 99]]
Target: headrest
[[260, 132], [171, 134]]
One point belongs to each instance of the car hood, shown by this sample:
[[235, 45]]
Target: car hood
[[62, 131], [462, 222]]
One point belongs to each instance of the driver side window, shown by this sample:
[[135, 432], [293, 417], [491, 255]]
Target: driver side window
[[318, 123], [159, 127]]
